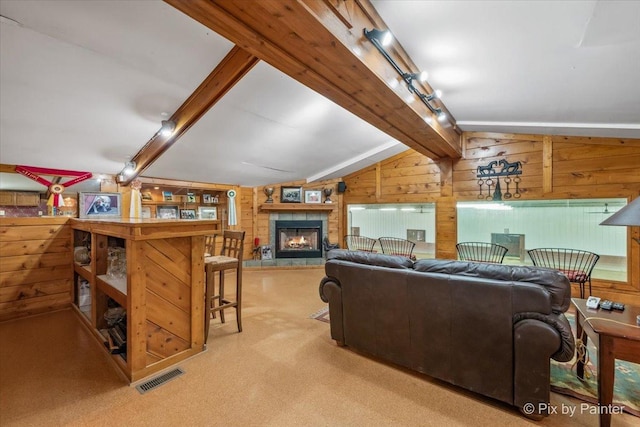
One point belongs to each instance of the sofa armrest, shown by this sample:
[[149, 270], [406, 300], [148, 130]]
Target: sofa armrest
[[533, 343], [331, 292], [559, 322]]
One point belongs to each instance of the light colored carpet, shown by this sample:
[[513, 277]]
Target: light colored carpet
[[282, 370]]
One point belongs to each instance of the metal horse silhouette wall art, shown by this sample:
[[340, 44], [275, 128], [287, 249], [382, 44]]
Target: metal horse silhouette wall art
[[496, 169]]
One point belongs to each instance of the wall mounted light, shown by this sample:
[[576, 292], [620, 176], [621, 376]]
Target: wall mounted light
[[378, 38]]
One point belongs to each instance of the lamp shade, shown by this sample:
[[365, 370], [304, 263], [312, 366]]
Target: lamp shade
[[629, 215]]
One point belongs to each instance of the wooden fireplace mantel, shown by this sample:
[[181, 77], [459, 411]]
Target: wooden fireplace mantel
[[298, 207]]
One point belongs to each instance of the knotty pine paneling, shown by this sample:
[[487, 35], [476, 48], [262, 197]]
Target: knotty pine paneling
[[582, 167], [36, 270], [167, 266], [161, 344], [247, 221]]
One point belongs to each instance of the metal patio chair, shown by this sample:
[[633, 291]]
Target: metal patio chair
[[481, 252], [359, 243], [397, 246], [576, 264]]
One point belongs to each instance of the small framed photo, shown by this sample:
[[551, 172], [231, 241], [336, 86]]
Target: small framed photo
[[291, 194], [206, 198], [145, 212], [207, 212], [100, 205], [167, 212], [187, 214], [265, 252], [146, 195], [167, 196], [191, 198], [313, 196]]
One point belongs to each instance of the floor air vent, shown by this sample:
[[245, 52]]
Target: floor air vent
[[158, 381]]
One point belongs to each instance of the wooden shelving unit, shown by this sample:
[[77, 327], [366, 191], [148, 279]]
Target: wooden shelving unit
[[298, 207], [161, 293]]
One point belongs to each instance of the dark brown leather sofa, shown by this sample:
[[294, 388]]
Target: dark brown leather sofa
[[489, 328]]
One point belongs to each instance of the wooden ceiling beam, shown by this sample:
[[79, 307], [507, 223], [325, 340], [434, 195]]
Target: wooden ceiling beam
[[228, 72], [321, 45]]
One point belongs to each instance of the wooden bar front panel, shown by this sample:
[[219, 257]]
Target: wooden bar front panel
[[36, 269]]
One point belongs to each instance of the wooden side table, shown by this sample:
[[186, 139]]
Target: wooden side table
[[616, 336]]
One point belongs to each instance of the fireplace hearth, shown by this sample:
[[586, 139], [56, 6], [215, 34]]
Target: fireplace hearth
[[298, 239]]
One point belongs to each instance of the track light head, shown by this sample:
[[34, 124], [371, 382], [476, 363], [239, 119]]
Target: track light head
[[421, 77], [168, 126], [383, 37], [129, 168], [435, 95]]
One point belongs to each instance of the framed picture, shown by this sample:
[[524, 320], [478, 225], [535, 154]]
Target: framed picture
[[146, 195], [167, 212], [291, 194], [167, 196], [206, 198], [100, 205], [145, 212], [313, 196], [191, 198], [187, 214], [207, 212], [265, 252]]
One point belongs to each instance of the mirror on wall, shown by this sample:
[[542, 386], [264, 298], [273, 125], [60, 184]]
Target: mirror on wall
[[414, 222], [567, 223]]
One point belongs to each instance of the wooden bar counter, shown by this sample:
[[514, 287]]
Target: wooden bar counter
[[162, 293]]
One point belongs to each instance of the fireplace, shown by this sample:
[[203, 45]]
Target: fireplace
[[298, 239]]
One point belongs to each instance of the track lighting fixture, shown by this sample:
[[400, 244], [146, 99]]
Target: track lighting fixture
[[379, 38]]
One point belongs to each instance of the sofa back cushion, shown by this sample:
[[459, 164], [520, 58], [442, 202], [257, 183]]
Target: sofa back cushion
[[370, 258], [553, 281]]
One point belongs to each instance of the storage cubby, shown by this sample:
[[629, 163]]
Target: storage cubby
[[152, 272]]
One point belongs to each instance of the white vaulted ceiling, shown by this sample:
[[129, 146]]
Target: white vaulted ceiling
[[84, 85]]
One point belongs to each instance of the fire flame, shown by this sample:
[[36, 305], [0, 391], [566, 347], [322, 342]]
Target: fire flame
[[297, 242]]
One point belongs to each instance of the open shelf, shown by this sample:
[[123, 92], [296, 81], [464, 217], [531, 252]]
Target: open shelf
[[298, 207], [83, 270], [115, 288], [161, 296]]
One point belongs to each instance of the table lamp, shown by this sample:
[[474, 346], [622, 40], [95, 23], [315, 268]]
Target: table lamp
[[628, 215]]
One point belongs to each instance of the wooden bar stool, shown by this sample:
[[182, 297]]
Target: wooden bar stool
[[230, 258]]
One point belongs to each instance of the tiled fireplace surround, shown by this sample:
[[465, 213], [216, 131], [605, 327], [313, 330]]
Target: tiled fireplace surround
[[284, 262]]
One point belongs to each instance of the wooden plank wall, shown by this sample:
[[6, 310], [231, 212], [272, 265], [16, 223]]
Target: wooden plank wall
[[554, 167], [36, 266], [256, 222], [167, 266]]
